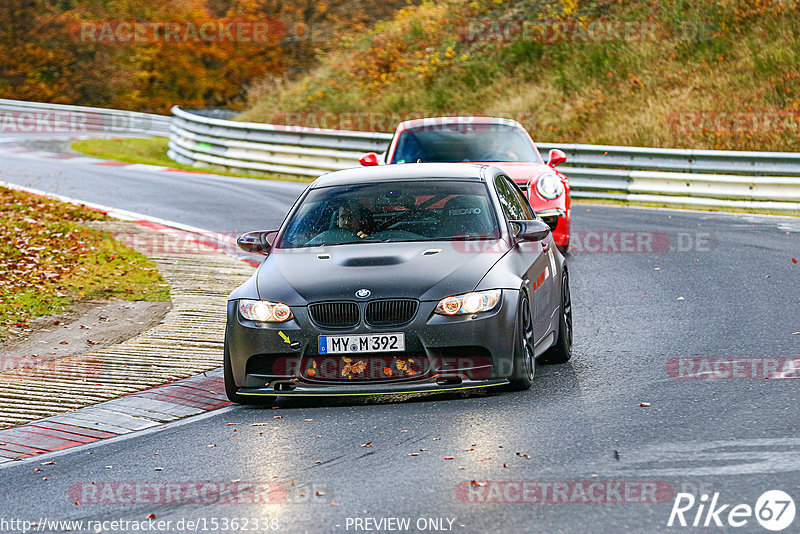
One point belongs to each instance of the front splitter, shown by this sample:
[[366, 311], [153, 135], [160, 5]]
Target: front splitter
[[347, 390]]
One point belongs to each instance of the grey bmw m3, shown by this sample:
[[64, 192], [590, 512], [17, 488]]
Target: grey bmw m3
[[399, 279]]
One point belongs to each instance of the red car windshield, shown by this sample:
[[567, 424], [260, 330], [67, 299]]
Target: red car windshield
[[455, 143]]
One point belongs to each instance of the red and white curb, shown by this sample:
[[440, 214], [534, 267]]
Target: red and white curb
[[137, 411], [225, 243]]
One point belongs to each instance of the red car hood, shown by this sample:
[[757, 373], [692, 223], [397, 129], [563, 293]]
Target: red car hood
[[523, 173], [519, 172]]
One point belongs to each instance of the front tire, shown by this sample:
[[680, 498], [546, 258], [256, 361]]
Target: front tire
[[524, 356], [231, 391], [561, 352]]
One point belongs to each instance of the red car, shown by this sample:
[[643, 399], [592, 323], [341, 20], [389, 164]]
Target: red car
[[501, 142]]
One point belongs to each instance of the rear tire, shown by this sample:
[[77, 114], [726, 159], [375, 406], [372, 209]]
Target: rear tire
[[231, 391], [561, 352], [524, 359]]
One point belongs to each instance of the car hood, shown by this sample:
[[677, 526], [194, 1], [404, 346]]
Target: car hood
[[425, 271]]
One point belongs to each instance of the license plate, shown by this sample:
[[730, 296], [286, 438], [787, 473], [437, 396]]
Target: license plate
[[362, 343]]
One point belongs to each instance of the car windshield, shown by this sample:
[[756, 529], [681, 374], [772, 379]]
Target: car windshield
[[453, 143], [431, 210]]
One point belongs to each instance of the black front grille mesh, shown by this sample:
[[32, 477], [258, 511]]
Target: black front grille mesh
[[334, 314], [390, 312]]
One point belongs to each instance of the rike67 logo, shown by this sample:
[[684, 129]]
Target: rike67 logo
[[774, 510]]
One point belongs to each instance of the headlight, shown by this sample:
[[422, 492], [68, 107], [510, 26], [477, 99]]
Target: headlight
[[265, 311], [480, 301], [549, 185]]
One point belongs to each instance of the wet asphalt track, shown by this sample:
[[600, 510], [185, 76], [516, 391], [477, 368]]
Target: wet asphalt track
[[582, 421]]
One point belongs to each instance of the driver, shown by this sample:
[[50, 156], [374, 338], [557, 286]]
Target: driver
[[356, 218]]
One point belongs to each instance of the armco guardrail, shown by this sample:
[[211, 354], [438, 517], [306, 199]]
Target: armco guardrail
[[195, 139], [20, 117], [681, 160], [688, 178]]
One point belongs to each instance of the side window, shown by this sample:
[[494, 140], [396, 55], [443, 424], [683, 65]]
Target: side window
[[514, 207], [526, 206]]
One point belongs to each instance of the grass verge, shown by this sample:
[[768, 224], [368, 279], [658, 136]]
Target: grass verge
[[153, 151], [49, 259], [704, 74]]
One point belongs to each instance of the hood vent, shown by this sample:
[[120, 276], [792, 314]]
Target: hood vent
[[367, 261]]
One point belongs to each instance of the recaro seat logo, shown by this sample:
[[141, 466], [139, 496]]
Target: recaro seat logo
[[465, 211], [774, 510]]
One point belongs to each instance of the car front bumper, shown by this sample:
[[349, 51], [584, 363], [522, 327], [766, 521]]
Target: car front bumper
[[448, 353]]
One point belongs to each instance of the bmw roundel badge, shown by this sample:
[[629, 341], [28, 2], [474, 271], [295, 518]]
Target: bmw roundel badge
[[363, 293]]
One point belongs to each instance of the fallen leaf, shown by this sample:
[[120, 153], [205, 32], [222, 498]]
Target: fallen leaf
[[64, 343], [259, 424], [644, 404], [506, 465], [159, 469], [413, 454], [77, 502], [367, 444], [794, 260], [476, 483], [277, 417], [151, 516], [359, 367], [232, 424], [319, 493], [681, 298], [334, 504], [387, 371], [795, 333], [307, 419], [311, 372], [48, 463], [449, 457]]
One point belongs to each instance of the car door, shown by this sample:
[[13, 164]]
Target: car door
[[531, 259]]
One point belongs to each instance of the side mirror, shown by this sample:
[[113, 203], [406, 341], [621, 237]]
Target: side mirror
[[534, 230], [369, 160], [259, 242], [556, 157]]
